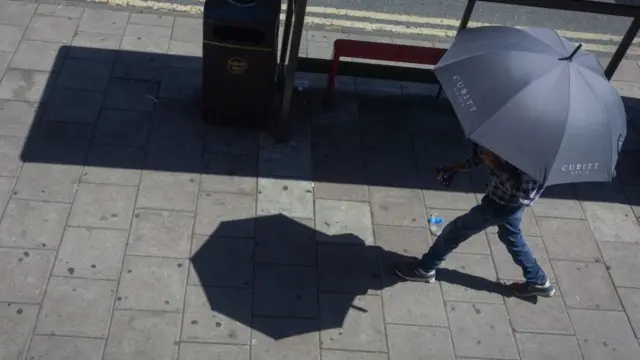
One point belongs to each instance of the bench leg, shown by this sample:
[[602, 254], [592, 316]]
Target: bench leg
[[331, 81]]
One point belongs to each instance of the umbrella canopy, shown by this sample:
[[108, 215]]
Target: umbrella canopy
[[537, 100]]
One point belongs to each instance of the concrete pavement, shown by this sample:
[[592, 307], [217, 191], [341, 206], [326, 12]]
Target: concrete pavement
[[130, 230]]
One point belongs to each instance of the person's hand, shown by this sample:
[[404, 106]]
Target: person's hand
[[492, 159], [446, 174]]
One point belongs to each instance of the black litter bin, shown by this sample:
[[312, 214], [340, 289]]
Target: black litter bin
[[239, 54]]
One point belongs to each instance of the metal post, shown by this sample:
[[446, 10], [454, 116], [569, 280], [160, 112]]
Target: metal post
[[282, 131], [286, 38], [622, 49], [467, 14]]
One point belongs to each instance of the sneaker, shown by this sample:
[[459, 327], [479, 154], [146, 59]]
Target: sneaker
[[412, 272], [527, 289]]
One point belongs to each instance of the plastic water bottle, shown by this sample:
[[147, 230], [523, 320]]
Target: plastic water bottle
[[436, 224]]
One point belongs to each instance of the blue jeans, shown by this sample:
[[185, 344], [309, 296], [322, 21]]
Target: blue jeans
[[479, 218]]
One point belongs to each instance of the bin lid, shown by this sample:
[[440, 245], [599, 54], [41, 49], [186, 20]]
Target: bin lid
[[247, 12]]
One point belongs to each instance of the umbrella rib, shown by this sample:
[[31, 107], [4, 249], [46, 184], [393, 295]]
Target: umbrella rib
[[606, 113], [564, 134]]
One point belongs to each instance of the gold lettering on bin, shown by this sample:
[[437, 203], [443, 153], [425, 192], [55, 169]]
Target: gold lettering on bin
[[236, 65]]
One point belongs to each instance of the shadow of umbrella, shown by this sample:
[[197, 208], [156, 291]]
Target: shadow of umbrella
[[290, 271]]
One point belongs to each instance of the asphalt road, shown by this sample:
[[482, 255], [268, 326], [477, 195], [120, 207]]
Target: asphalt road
[[436, 20]]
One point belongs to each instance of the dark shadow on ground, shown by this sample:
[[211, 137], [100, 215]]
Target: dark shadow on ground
[[293, 271], [127, 110]]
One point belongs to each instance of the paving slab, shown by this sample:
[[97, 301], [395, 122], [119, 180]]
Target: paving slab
[[33, 224], [473, 326], [146, 38], [89, 45], [138, 66], [103, 21], [112, 164], [16, 13], [187, 30], [74, 105], [152, 20], [334, 217], [70, 12], [143, 335], [64, 348], [569, 239], [51, 29], [611, 339], [216, 208], [631, 301], [348, 269], [280, 241], [11, 35], [149, 283], [102, 251], [16, 325], [352, 355], [217, 315], [612, 221], [285, 291], [401, 304], [414, 343], [293, 198], [103, 206], [6, 185], [400, 241], [84, 74], [355, 330], [17, 118], [25, 85], [38, 56], [160, 233], [398, 207], [600, 294], [542, 346], [167, 191], [123, 128], [479, 269], [23, 274], [303, 346], [545, 316], [222, 261], [623, 262], [193, 351], [76, 307]]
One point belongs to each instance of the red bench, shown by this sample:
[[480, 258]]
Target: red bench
[[379, 51]]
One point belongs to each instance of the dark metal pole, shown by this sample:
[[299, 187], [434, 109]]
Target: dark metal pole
[[282, 131], [622, 49], [286, 38], [467, 14]]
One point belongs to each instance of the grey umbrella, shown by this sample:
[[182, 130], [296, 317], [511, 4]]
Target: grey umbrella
[[537, 100]]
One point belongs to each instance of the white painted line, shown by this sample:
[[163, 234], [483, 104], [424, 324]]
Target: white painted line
[[369, 26]]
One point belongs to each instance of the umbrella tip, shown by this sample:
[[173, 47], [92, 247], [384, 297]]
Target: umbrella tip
[[573, 53]]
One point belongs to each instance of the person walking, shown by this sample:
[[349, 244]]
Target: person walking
[[508, 194]]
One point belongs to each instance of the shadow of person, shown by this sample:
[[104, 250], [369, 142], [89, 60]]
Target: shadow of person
[[257, 272]]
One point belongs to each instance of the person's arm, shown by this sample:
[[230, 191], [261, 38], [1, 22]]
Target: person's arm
[[470, 163]]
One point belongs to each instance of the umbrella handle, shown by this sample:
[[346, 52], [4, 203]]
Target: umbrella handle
[[570, 57]]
